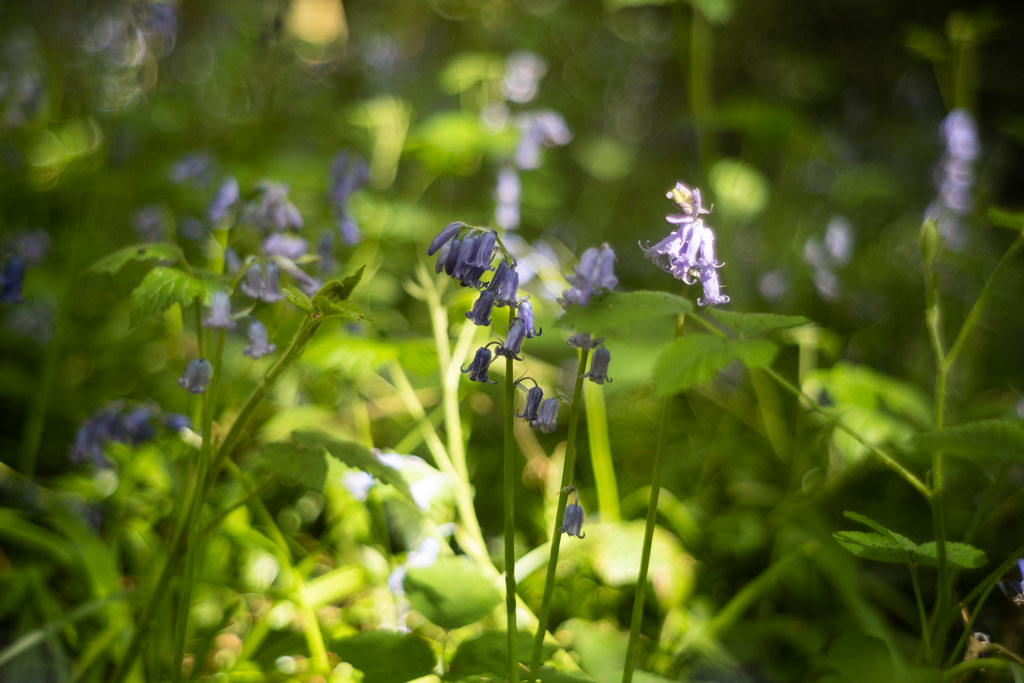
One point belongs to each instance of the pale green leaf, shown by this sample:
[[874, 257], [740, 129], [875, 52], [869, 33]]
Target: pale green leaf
[[297, 298], [452, 592], [697, 358], [164, 287], [308, 466], [958, 555], [353, 455], [755, 324], [606, 313], [171, 253], [872, 546]]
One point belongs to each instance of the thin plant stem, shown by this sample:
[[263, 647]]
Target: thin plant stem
[[601, 454], [510, 520], [174, 555], [556, 536], [652, 515], [919, 599], [193, 516]]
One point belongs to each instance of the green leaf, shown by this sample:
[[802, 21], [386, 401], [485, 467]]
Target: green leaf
[[298, 299], [715, 11], [332, 299], [387, 657], [303, 464], [754, 324], [861, 658], [984, 438], [958, 555], [873, 546], [452, 592], [608, 312], [162, 288], [139, 252], [902, 541], [698, 358], [487, 653], [353, 455]]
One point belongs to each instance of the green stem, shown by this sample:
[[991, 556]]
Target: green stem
[[510, 521], [556, 536], [601, 453], [174, 554], [193, 516], [652, 515], [919, 599]]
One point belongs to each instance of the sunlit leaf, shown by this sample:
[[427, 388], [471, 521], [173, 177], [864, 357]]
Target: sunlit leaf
[[164, 287], [387, 656], [171, 253], [452, 592], [606, 313], [353, 455], [308, 466], [754, 324], [697, 358], [984, 438], [958, 555], [740, 189], [298, 298]]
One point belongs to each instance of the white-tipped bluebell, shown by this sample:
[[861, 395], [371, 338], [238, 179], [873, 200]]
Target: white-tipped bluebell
[[259, 343], [220, 313], [477, 369], [197, 376], [599, 366]]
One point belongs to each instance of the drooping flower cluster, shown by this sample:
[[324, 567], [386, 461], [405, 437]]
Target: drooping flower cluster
[[688, 252], [954, 177], [117, 422], [595, 271]]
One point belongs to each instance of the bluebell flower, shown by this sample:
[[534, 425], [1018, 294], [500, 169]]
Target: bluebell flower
[[594, 272], [572, 518], [525, 313], [688, 252], [599, 366], [226, 197], [513, 341], [194, 167], [475, 255], [504, 283], [547, 416], [263, 282], [444, 237], [197, 376], [480, 314], [12, 280], [232, 261], [290, 267], [220, 313], [258, 341], [448, 256], [349, 172], [583, 341], [1014, 590], [115, 423], [477, 370], [283, 244], [533, 398], [539, 129], [274, 210]]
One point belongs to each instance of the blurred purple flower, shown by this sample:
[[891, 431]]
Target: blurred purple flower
[[349, 173], [12, 280], [539, 129], [196, 167], [286, 245], [272, 209], [595, 271], [259, 344], [197, 376], [220, 313], [226, 197]]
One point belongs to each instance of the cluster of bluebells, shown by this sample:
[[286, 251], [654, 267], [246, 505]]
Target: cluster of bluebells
[[688, 252], [122, 424], [954, 177]]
